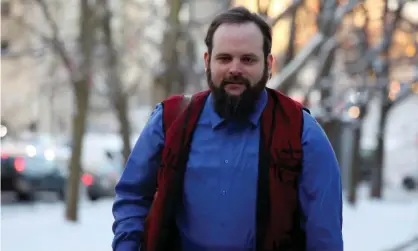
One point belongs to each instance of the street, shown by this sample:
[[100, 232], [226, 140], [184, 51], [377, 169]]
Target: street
[[370, 226]]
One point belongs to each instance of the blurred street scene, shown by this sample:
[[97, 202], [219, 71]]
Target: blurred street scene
[[79, 79]]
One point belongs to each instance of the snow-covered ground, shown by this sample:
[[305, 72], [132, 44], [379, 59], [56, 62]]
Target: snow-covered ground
[[381, 225], [370, 226]]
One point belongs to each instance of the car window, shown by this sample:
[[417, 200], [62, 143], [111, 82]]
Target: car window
[[38, 163], [6, 162]]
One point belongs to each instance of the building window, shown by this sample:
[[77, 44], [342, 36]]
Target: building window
[[4, 47], [5, 8]]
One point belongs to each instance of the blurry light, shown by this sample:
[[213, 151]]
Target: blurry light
[[251, 5], [354, 112], [410, 50], [414, 87], [49, 154], [19, 164], [395, 87], [87, 179], [353, 97], [392, 96], [31, 150], [3, 131], [359, 20], [277, 7]]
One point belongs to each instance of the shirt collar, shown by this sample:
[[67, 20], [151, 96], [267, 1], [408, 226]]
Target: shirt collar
[[254, 117]]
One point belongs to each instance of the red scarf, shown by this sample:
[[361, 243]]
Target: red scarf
[[280, 162]]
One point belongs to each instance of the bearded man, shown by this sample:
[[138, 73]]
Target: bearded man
[[238, 166]]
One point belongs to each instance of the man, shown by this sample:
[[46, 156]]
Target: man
[[242, 167]]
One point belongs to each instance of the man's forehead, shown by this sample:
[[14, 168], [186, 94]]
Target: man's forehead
[[236, 37]]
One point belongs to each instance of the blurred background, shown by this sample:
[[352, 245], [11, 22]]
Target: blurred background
[[79, 79]]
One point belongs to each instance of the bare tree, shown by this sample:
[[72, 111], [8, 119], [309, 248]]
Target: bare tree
[[79, 75], [381, 67], [332, 16], [361, 47], [118, 95], [291, 43], [121, 48], [374, 59], [172, 77], [169, 76]]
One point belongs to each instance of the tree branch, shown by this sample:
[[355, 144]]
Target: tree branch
[[372, 54], [297, 63], [325, 55], [302, 57], [56, 42], [289, 10], [263, 11]]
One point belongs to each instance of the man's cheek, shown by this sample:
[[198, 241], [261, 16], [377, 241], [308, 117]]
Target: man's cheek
[[216, 79]]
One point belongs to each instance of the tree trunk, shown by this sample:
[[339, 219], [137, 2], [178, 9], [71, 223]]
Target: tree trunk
[[167, 76], [331, 129], [286, 86], [79, 125], [382, 68], [81, 94], [121, 108], [117, 95], [355, 165], [377, 169], [160, 89]]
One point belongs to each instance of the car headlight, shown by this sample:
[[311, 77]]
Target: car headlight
[[49, 154]]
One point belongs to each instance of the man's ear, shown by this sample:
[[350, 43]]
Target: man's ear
[[270, 61], [206, 57]]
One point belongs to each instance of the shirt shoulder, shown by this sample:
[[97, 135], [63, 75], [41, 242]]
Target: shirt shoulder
[[312, 130], [154, 125], [156, 116]]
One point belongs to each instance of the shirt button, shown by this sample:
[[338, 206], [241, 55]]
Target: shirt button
[[223, 192], [226, 161]]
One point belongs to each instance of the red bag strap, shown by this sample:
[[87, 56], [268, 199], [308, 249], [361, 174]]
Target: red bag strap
[[172, 108]]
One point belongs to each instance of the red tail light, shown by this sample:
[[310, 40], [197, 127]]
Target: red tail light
[[19, 164], [87, 179]]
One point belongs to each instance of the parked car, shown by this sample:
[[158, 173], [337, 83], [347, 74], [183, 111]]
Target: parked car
[[25, 175], [101, 182], [410, 183]]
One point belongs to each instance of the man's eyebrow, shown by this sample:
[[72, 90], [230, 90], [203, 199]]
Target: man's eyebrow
[[222, 54], [250, 55]]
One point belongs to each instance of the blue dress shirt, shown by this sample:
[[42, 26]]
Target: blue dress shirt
[[218, 213]]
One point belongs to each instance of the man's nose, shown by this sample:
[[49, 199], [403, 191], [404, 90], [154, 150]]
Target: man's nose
[[235, 68]]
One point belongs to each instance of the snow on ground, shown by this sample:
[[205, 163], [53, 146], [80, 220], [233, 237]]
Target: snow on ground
[[381, 225], [370, 226], [41, 227]]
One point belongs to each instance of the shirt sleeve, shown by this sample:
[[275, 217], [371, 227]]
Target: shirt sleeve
[[137, 185], [320, 190]]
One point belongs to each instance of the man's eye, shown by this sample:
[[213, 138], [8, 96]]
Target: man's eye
[[248, 60], [223, 58]]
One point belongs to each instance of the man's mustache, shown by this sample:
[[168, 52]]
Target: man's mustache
[[235, 80]]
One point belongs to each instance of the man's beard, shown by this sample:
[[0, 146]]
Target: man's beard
[[236, 107]]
